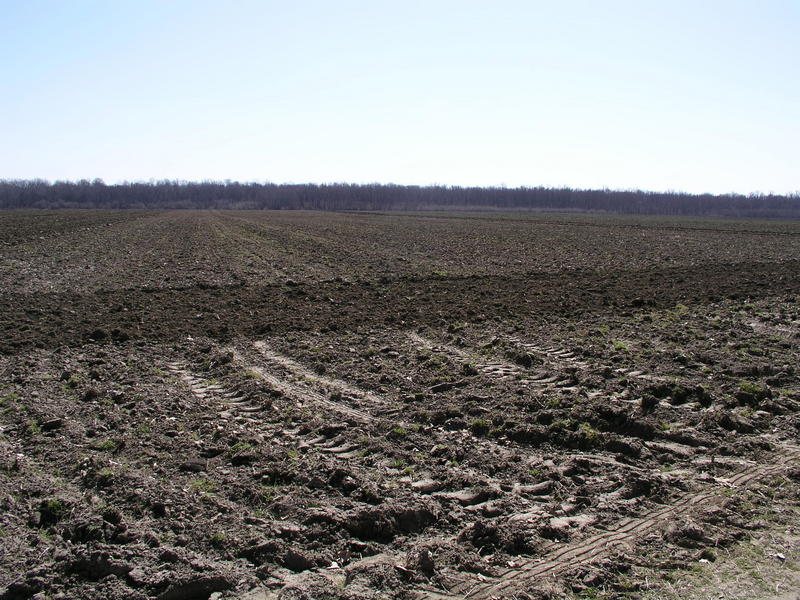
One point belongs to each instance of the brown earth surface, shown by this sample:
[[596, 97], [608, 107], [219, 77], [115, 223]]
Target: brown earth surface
[[321, 405]]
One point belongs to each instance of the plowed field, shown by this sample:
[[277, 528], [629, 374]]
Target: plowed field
[[289, 405]]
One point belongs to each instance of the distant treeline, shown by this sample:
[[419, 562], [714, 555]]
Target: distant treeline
[[39, 194]]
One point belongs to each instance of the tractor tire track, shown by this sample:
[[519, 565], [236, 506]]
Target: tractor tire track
[[203, 389], [298, 371], [627, 532], [235, 406], [495, 368], [289, 385], [560, 357]]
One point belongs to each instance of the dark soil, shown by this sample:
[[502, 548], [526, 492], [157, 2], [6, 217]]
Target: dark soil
[[300, 405]]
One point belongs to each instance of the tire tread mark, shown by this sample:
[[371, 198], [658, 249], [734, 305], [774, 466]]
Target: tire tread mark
[[601, 544]]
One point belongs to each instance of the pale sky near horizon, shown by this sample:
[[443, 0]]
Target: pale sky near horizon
[[697, 96]]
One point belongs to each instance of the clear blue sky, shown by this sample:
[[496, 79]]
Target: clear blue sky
[[693, 95]]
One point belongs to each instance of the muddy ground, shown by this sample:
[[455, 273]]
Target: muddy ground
[[308, 405]]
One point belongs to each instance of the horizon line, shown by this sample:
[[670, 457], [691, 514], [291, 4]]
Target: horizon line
[[266, 182]]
